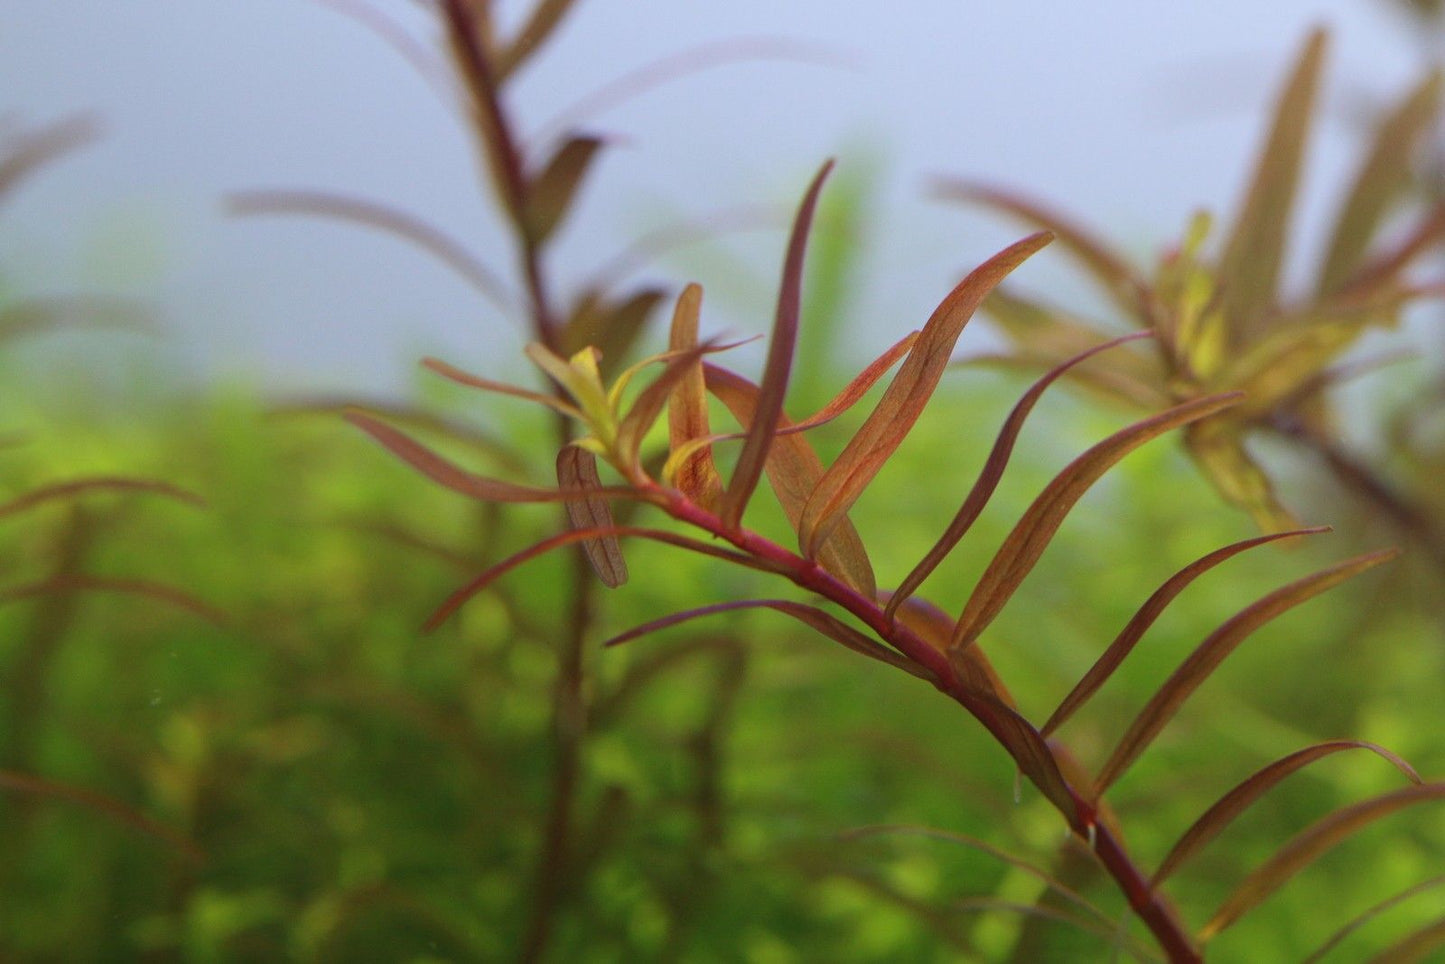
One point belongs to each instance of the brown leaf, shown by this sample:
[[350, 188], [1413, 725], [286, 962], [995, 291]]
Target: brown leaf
[[933, 626], [577, 472], [687, 417], [768, 410], [33, 150], [903, 402], [1370, 914], [1383, 177], [104, 483], [1215, 648], [823, 622], [551, 191], [1023, 546], [83, 582], [1155, 605], [1250, 265], [1414, 946], [546, 16], [1301, 851], [991, 473], [612, 327], [793, 472], [1236, 801]]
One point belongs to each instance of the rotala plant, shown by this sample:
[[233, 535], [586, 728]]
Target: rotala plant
[[1223, 358], [1223, 323], [830, 561]]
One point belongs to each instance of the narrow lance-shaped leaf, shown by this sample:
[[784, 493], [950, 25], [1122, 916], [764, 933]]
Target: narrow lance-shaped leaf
[[612, 326], [1383, 176], [933, 626], [1124, 643], [768, 411], [823, 622], [697, 477], [84, 582], [1310, 844], [449, 474], [650, 402], [991, 473], [905, 398], [1369, 914], [545, 18], [1023, 546], [1250, 265], [551, 192], [1218, 645], [577, 472], [793, 472], [1112, 271], [34, 150], [452, 373], [1224, 812], [573, 536], [1415, 946], [106, 483]]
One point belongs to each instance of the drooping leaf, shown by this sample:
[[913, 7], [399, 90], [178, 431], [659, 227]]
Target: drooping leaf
[[546, 16], [1023, 546], [1216, 647], [1369, 914], [793, 470], [572, 536], [687, 417], [1111, 270], [372, 214], [577, 472], [992, 472], [1028, 748], [1415, 946], [1305, 847], [104, 483], [1250, 265], [905, 398], [1224, 812], [1383, 176], [32, 316], [447, 473], [452, 373], [768, 408], [116, 810], [1155, 605], [551, 191], [823, 622], [67, 582]]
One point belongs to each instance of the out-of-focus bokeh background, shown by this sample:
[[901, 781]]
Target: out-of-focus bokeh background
[[223, 735]]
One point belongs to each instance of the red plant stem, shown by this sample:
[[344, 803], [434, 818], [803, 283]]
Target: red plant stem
[[1151, 906]]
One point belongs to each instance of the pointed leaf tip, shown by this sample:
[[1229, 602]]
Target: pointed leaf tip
[[774, 385], [906, 396]]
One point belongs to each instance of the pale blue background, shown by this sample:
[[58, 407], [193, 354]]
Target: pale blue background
[[1132, 112]]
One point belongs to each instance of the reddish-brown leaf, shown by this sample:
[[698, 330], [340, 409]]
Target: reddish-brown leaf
[[1110, 269], [84, 582], [1414, 946], [1369, 914], [34, 149], [577, 472], [611, 326], [452, 373], [1023, 546], [768, 410], [546, 16], [991, 473], [823, 622], [105, 483], [1250, 265], [1218, 645], [1030, 751], [1124, 643], [485, 579], [1224, 812], [449, 474], [372, 214], [793, 472], [687, 416], [857, 388], [1383, 176], [551, 192], [650, 402], [934, 626], [905, 398], [1301, 851]]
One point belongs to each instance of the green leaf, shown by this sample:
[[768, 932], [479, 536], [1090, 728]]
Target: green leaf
[[1383, 177], [1301, 851], [1252, 260], [1236, 801], [1032, 534], [1216, 647], [768, 410], [905, 398]]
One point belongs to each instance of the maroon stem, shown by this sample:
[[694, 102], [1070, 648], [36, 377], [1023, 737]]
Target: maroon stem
[[1151, 906]]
